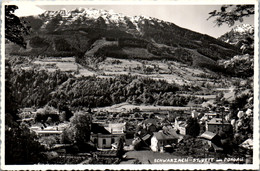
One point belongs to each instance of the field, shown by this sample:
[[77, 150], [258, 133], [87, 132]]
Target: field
[[206, 83], [170, 71], [127, 107], [64, 64]]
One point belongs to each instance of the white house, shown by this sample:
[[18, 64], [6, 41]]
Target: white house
[[181, 125], [210, 138], [162, 138], [105, 137], [104, 141], [48, 131]]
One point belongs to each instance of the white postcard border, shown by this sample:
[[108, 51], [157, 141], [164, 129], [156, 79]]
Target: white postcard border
[[255, 164]]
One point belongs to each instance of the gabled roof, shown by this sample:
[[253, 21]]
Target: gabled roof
[[116, 127], [182, 123], [247, 144], [96, 128], [167, 135], [211, 114], [208, 135], [217, 148], [48, 132], [217, 121]]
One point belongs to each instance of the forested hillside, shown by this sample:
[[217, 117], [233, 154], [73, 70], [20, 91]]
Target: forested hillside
[[37, 88]]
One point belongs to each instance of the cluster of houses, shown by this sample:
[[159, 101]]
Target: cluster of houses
[[152, 133], [172, 134], [104, 137]]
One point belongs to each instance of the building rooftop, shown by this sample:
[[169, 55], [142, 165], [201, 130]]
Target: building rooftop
[[115, 128], [96, 128], [166, 135], [211, 114], [217, 121], [182, 123], [48, 132], [248, 144], [146, 137], [208, 135]]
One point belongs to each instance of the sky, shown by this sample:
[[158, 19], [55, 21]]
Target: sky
[[193, 17]]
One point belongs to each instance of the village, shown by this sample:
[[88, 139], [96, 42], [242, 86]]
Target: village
[[133, 86], [128, 136]]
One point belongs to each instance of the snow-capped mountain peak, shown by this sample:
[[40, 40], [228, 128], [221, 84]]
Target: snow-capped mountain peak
[[107, 17]]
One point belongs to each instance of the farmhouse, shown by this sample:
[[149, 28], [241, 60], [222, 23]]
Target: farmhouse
[[48, 131], [210, 138], [163, 138], [181, 126], [216, 124]]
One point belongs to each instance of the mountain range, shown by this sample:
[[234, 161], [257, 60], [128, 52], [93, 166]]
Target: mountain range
[[94, 33], [242, 36], [237, 33]]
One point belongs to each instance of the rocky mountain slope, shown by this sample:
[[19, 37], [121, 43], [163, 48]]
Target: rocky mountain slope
[[237, 33], [241, 36], [93, 33]]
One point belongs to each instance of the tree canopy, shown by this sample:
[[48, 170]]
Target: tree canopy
[[21, 146], [15, 29], [229, 14], [81, 127], [194, 127]]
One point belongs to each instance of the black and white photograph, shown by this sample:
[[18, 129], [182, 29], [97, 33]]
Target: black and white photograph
[[134, 85]]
